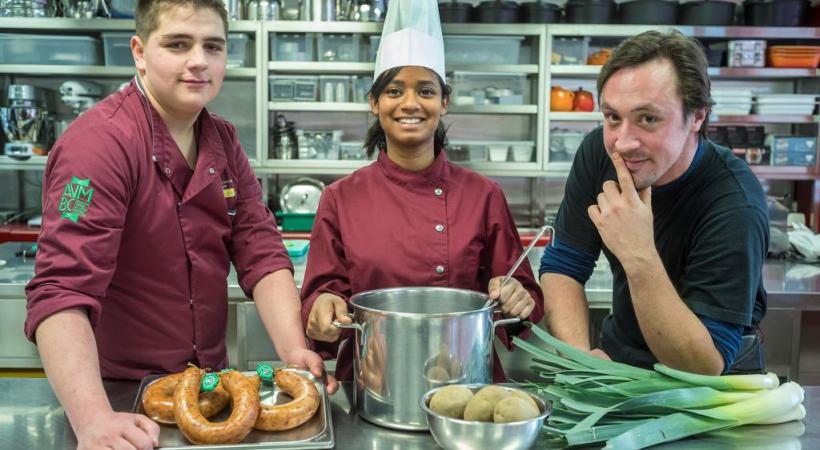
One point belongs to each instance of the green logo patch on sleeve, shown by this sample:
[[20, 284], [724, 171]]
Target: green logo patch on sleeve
[[76, 199]]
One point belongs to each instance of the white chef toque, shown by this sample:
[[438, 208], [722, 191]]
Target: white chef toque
[[411, 37]]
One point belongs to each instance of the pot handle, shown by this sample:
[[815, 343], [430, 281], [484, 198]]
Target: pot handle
[[502, 322], [353, 326]]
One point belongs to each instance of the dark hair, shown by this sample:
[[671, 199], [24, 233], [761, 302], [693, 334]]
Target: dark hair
[[684, 53], [146, 16], [376, 138]]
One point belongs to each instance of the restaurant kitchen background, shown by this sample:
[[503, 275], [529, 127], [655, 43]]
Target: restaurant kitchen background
[[523, 77]]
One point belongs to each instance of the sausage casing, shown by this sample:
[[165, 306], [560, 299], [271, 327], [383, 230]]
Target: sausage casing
[[294, 413], [244, 393]]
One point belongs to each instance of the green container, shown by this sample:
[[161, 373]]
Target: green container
[[295, 221]]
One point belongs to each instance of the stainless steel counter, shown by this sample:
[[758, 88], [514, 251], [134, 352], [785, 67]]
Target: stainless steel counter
[[32, 418]]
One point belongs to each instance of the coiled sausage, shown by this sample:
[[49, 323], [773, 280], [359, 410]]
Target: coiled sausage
[[294, 413], [196, 428]]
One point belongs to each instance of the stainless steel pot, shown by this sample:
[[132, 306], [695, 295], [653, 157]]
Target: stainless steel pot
[[410, 340]]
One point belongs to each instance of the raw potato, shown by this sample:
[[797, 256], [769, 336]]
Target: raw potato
[[479, 409], [526, 397], [483, 403], [513, 409], [493, 393], [451, 400]]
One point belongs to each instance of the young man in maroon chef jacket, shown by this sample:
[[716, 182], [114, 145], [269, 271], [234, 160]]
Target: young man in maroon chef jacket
[[147, 200]]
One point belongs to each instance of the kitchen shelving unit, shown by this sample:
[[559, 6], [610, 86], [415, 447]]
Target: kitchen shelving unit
[[538, 69]]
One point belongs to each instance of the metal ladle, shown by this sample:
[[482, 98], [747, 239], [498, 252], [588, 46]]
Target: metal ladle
[[522, 258]]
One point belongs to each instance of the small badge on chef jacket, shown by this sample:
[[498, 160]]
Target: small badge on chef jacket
[[76, 199], [228, 189]]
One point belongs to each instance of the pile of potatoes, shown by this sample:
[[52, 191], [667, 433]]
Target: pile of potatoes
[[490, 404]]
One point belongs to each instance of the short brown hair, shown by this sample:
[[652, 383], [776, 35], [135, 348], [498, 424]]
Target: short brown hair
[[684, 53], [148, 12]]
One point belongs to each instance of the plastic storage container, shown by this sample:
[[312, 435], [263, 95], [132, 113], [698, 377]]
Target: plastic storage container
[[522, 151], [297, 249], [122, 9], [374, 47], [499, 151], [747, 53], [564, 144], [338, 47], [360, 86], [117, 48], [334, 88], [352, 151], [295, 221], [240, 50], [482, 49], [289, 88], [291, 47], [793, 150], [479, 88], [47, 49], [570, 50]]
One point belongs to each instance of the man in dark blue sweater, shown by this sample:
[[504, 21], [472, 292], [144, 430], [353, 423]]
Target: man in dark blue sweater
[[682, 221]]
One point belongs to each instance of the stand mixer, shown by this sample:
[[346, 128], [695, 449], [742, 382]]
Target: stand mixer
[[80, 95], [23, 121]]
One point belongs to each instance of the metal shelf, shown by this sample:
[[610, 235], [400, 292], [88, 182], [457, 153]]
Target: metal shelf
[[61, 25], [577, 70], [287, 26], [785, 172], [318, 106], [35, 162], [576, 116], [493, 109], [616, 30], [364, 67], [761, 72], [293, 26], [321, 67], [363, 107], [588, 71], [304, 166], [98, 71], [756, 118]]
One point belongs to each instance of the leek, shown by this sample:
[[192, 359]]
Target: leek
[[595, 400]]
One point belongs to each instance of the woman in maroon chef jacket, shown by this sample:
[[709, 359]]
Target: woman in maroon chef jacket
[[412, 218]]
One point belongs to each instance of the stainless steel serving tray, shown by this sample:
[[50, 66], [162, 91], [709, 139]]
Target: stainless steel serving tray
[[315, 433]]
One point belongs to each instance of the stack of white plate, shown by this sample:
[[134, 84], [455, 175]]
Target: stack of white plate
[[789, 104], [731, 101]]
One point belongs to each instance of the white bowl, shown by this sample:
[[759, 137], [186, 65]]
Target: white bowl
[[522, 152], [498, 152]]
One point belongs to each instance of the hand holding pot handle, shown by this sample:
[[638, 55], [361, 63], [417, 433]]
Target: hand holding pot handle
[[327, 309], [514, 300]]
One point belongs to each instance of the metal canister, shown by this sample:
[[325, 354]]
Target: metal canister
[[410, 340]]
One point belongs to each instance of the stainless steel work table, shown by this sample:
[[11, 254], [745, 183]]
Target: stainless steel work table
[[32, 418]]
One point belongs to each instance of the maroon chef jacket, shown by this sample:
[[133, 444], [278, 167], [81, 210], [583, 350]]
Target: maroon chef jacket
[[144, 243], [384, 227]]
